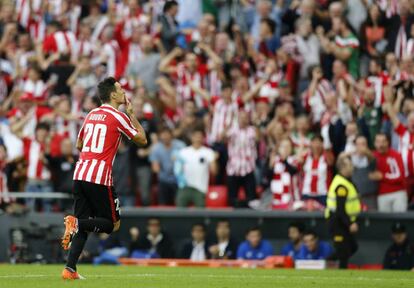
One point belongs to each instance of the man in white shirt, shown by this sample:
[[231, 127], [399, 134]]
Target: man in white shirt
[[193, 166]]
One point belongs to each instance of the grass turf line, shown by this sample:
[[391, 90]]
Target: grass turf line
[[43, 276]]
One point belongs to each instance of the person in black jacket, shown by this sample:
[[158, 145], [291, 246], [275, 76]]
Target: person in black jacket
[[223, 246], [400, 255], [169, 26], [196, 249], [155, 241]]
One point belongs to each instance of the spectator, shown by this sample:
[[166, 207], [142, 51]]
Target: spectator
[[390, 174], [284, 183], [83, 75], [364, 164], [139, 156], [372, 35], [405, 135], [121, 172], [317, 172], [38, 173], [145, 69], [400, 254], [313, 248], [346, 45], [110, 249], [295, 234], [254, 247], [162, 159], [63, 167], [242, 158], [4, 190], [169, 25], [197, 248], [223, 246], [155, 243], [194, 163]]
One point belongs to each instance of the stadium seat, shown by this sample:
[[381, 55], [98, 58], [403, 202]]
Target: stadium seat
[[216, 197]]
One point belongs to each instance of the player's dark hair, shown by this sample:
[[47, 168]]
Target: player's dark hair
[[298, 225], [168, 5], [43, 126], [105, 88], [95, 100]]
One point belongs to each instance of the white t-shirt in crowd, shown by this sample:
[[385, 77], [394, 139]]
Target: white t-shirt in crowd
[[196, 163]]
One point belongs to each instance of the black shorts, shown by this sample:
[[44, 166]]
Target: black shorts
[[94, 200]]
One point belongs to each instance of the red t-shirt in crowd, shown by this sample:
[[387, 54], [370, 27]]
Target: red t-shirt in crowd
[[391, 166]]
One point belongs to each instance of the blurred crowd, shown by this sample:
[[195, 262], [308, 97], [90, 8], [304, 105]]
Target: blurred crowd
[[259, 97]]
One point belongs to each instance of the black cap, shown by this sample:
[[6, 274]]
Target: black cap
[[398, 227]]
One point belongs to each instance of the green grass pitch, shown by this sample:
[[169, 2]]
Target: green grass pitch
[[34, 276]]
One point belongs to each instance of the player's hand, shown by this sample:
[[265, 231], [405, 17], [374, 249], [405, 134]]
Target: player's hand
[[353, 228], [128, 107]]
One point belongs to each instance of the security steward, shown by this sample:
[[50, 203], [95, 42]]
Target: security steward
[[342, 209]]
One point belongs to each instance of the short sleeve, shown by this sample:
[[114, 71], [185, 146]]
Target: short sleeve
[[154, 155], [209, 155], [125, 126]]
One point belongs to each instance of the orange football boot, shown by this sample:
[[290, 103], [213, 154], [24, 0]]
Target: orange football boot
[[69, 274], [71, 228]]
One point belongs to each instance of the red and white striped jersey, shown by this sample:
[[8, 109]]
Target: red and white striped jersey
[[242, 151], [37, 27], [405, 138], [60, 41], [184, 91], [283, 185], [37, 90], [23, 10], [378, 82], [316, 176], [224, 117], [83, 48], [100, 134], [270, 90], [405, 147], [408, 161], [29, 128], [33, 154], [111, 52], [99, 29], [316, 103], [214, 84], [410, 47]]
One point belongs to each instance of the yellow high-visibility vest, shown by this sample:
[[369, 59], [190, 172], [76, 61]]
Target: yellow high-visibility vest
[[343, 187]]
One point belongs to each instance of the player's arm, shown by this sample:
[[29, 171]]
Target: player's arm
[[140, 138]]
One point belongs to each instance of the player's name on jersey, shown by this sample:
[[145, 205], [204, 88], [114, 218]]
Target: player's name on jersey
[[97, 117]]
